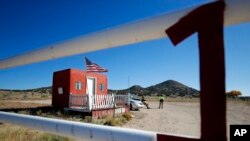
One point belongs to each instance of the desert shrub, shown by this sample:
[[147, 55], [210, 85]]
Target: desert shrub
[[25, 96], [24, 112], [87, 119], [44, 96], [6, 95], [110, 121], [39, 112], [234, 93], [127, 116], [59, 113], [117, 121]]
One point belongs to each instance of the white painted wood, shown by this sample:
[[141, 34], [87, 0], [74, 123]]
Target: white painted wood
[[97, 101], [90, 90], [91, 86], [237, 11], [77, 130]]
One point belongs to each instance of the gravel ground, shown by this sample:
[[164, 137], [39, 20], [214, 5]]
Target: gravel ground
[[183, 118]]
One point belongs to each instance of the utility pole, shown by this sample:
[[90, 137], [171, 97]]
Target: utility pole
[[128, 85]]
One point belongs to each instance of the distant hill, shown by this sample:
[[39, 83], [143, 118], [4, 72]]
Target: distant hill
[[167, 88]]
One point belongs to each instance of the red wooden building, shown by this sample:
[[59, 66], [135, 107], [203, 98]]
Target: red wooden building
[[76, 82], [83, 91]]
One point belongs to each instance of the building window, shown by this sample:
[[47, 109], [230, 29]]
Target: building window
[[78, 85], [101, 87], [60, 90]]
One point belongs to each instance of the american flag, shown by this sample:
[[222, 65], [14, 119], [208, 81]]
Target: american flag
[[93, 67]]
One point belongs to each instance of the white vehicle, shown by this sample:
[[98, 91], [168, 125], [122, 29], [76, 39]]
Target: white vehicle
[[135, 104]]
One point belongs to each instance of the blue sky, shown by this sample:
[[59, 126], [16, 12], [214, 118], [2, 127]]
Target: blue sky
[[27, 25]]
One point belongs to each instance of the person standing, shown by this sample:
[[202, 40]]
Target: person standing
[[143, 100], [161, 100]]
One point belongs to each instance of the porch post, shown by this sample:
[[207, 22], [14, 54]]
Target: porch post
[[89, 102]]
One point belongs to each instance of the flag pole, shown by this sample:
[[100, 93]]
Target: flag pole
[[84, 61]]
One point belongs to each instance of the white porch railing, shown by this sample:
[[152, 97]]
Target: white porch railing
[[95, 102], [102, 101]]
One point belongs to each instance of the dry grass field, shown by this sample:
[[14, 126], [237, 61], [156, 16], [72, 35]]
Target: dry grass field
[[19, 95], [40, 105], [24, 100], [16, 133]]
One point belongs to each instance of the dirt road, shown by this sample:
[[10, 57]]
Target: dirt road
[[183, 118]]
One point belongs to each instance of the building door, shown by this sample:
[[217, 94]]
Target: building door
[[90, 90], [91, 86]]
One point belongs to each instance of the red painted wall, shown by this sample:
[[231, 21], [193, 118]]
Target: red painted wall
[[77, 75], [68, 78], [81, 76], [106, 112], [61, 79]]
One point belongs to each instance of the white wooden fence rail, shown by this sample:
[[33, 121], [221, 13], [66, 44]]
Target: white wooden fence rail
[[77, 130], [237, 11]]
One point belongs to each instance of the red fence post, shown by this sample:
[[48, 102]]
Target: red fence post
[[207, 20]]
